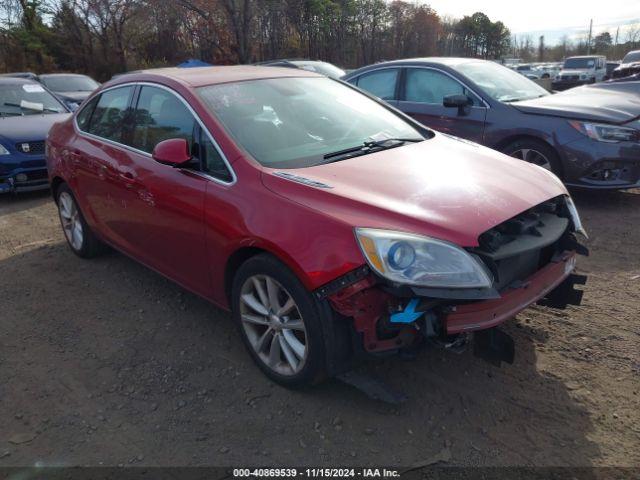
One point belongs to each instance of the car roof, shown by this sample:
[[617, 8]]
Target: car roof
[[49, 75], [442, 60], [451, 62], [585, 56], [16, 81], [202, 76]]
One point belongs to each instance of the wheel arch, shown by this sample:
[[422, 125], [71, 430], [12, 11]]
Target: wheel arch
[[504, 142], [247, 251], [55, 184]]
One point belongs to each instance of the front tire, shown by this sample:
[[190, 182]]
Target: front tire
[[536, 152], [77, 232], [280, 322]]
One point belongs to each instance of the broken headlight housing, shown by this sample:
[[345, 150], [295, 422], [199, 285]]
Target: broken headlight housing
[[421, 261], [575, 217], [606, 133]]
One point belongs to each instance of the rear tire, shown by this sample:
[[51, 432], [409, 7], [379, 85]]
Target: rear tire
[[77, 232], [536, 152], [266, 298]]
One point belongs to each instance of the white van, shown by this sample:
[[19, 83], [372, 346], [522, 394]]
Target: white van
[[580, 71]]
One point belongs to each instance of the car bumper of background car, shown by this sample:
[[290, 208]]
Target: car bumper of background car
[[599, 165], [24, 180]]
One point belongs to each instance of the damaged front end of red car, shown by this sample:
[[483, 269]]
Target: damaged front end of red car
[[531, 258]]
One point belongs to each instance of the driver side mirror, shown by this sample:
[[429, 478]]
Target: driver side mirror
[[459, 101], [173, 152]]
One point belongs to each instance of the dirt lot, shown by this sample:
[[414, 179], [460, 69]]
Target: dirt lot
[[104, 362]]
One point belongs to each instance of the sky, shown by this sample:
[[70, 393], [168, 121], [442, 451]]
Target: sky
[[551, 18]]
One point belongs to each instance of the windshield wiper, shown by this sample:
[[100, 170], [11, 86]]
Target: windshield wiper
[[369, 147], [23, 107]]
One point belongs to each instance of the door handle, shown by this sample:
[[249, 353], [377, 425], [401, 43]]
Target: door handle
[[129, 179], [76, 158]]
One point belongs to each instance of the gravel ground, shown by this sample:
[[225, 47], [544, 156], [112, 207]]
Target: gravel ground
[[104, 362]]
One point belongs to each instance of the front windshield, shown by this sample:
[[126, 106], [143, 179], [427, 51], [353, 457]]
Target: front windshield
[[295, 122], [27, 99], [501, 83], [579, 63], [632, 57], [70, 83]]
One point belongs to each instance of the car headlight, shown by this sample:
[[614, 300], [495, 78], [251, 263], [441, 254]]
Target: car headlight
[[422, 261], [606, 133], [575, 217], [3, 150]]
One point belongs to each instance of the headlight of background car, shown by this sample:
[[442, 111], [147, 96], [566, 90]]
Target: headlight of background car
[[3, 150], [415, 260], [606, 133], [575, 217]]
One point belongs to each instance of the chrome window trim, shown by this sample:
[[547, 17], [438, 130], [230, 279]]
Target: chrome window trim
[[80, 132], [427, 67]]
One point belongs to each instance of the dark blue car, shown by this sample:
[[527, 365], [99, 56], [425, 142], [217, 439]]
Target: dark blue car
[[588, 136], [27, 112]]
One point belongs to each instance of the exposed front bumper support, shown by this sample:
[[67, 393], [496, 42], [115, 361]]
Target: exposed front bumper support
[[489, 313]]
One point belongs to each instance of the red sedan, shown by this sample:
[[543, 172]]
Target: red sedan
[[328, 222]]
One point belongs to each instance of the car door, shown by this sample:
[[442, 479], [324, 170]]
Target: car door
[[422, 95], [382, 83], [96, 156], [165, 216]]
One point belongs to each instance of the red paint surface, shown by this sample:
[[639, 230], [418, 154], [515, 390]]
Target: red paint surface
[[187, 227], [489, 313]]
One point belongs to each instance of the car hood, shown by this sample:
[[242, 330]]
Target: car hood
[[444, 187], [29, 127], [624, 66], [597, 102]]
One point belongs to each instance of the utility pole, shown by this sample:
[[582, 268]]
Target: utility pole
[[615, 44], [589, 41]]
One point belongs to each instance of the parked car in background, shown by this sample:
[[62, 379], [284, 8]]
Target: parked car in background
[[611, 66], [635, 77], [340, 225], [588, 136], [581, 70], [71, 88], [527, 70], [26, 75], [27, 111], [324, 68], [549, 70], [630, 65]]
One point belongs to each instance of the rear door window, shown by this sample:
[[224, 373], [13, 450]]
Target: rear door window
[[84, 116], [160, 115], [381, 83], [109, 116]]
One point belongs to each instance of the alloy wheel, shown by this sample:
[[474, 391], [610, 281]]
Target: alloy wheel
[[70, 218], [273, 325], [532, 156]]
